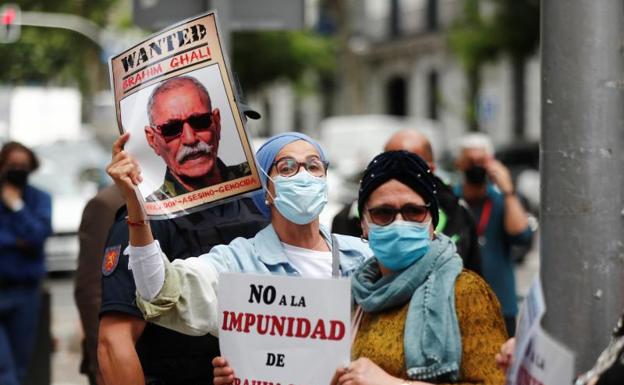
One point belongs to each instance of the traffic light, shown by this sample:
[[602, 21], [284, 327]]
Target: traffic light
[[10, 23]]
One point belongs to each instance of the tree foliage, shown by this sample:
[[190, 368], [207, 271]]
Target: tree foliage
[[511, 28], [54, 56], [260, 58]]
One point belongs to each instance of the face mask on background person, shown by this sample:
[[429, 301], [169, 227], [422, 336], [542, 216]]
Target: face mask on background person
[[476, 175], [300, 198], [399, 244], [18, 177]]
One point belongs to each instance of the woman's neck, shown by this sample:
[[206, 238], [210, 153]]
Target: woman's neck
[[306, 236]]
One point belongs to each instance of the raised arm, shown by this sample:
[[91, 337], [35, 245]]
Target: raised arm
[[126, 173]]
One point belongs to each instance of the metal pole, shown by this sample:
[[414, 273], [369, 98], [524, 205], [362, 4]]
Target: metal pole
[[582, 257], [74, 23]]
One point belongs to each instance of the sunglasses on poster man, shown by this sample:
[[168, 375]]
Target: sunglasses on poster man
[[172, 129]]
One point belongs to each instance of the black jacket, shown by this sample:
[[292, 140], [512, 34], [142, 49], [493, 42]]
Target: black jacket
[[167, 357]]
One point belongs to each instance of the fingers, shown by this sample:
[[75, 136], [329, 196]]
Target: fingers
[[501, 361], [124, 166], [118, 145], [337, 374], [223, 380], [222, 372], [219, 362]]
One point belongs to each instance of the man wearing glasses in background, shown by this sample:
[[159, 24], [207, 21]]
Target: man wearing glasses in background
[[184, 130]]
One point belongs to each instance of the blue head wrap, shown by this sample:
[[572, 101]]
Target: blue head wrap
[[265, 156]]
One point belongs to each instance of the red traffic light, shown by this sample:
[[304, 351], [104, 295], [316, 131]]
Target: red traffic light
[[10, 23], [9, 15]]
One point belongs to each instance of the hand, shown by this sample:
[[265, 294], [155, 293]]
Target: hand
[[504, 358], [500, 175], [124, 169], [11, 195], [364, 372], [222, 372]]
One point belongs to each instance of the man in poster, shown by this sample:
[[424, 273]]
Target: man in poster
[[184, 130]]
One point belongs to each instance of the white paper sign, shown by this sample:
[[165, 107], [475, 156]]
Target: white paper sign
[[531, 313], [545, 362], [284, 330]]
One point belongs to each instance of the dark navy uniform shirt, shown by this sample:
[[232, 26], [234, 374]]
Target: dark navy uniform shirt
[[168, 357]]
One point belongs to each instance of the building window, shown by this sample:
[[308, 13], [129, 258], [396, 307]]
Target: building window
[[395, 22], [396, 96], [433, 92], [432, 15]]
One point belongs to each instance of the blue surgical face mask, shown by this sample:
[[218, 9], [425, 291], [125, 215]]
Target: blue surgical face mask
[[301, 197], [399, 244]]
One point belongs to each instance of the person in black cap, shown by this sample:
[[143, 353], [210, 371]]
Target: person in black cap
[[420, 316], [456, 220]]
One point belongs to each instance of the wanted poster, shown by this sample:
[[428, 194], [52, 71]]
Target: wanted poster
[[174, 95]]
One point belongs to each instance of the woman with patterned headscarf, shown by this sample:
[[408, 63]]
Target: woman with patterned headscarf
[[421, 317]]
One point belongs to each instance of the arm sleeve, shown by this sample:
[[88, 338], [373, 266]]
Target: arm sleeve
[[524, 238], [7, 237], [482, 330], [33, 223], [187, 302], [148, 267]]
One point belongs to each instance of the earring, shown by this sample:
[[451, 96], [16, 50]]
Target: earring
[[266, 202]]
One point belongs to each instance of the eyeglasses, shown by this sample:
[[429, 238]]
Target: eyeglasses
[[289, 166], [384, 215], [173, 128]]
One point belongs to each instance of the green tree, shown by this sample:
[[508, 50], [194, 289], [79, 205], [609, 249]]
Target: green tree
[[260, 58], [512, 28], [55, 56]]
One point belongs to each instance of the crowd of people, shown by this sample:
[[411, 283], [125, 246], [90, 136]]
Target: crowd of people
[[431, 267]]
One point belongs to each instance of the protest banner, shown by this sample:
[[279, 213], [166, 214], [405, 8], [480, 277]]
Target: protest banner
[[545, 362], [531, 313], [174, 95], [538, 358], [284, 330]]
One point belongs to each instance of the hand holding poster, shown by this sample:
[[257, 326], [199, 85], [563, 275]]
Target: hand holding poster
[[174, 95], [284, 330]]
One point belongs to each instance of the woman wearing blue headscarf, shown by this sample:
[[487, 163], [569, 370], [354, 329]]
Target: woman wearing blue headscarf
[[181, 295]]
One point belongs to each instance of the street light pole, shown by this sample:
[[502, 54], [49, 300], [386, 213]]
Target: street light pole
[[74, 23], [582, 255]]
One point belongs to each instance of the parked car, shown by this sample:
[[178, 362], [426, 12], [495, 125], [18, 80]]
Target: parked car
[[71, 172]]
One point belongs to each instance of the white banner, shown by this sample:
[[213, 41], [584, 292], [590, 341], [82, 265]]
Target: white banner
[[545, 362], [531, 313], [284, 330], [539, 358]]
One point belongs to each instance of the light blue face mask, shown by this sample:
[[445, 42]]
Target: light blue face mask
[[399, 244], [301, 197]]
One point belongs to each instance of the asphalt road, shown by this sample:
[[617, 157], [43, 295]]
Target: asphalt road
[[66, 332]]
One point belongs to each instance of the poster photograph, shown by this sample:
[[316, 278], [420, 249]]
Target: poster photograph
[[174, 95], [284, 330]]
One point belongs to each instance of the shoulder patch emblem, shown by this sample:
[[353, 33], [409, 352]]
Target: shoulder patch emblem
[[111, 259]]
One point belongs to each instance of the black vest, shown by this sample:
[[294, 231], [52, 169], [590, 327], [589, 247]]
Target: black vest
[[171, 358]]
